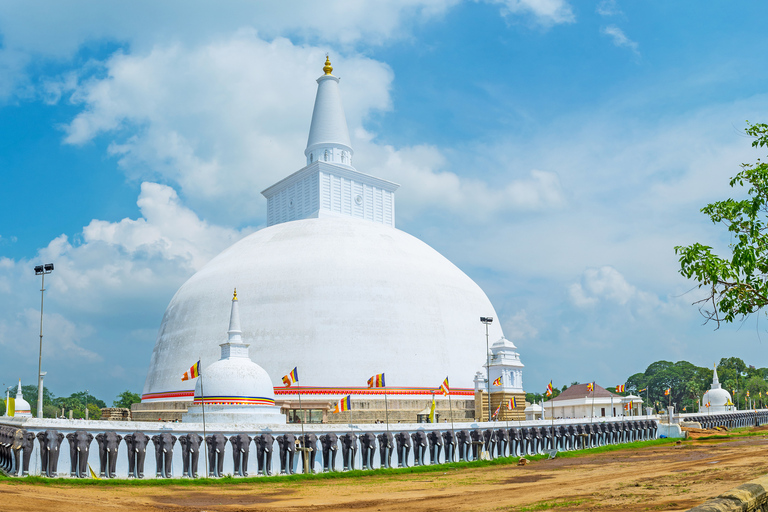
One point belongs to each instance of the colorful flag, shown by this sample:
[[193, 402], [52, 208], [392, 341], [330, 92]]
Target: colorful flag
[[444, 387], [291, 377], [620, 388], [512, 404], [497, 411], [591, 386], [627, 406], [549, 389], [432, 411], [641, 390], [344, 404], [707, 404], [377, 381], [667, 391], [685, 409], [747, 392], [193, 372], [497, 382]]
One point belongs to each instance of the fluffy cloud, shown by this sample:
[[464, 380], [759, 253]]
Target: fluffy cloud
[[545, 12], [601, 283], [620, 39]]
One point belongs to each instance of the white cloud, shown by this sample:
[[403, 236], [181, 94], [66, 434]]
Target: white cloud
[[608, 8], [519, 327], [545, 12], [620, 39], [602, 283]]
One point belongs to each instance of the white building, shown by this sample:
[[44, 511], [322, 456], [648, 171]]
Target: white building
[[331, 287], [578, 401]]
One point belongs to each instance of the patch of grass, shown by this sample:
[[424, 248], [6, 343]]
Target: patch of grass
[[548, 505], [615, 447]]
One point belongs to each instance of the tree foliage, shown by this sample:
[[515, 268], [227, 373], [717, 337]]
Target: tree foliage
[[737, 286], [126, 399]]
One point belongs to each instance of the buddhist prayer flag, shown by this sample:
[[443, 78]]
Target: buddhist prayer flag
[[549, 389], [497, 411], [620, 388], [444, 387], [641, 390], [685, 409], [291, 377], [432, 411], [747, 392], [706, 404], [591, 386], [497, 382], [344, 404], [667, 391], [512, 404], [193, 372], [626, 406], [377, 381]]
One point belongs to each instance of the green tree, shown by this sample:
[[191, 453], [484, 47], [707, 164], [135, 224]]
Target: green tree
[[736, 286], [2, 407], [29, 392], [126, 399]]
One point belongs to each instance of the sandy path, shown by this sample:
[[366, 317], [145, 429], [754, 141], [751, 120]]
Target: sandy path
[[659, 478]]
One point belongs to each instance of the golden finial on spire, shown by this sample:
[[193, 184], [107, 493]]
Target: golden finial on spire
[[327, 68], [235, 297]]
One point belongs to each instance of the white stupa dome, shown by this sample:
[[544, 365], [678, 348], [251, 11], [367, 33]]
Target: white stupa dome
[[234, 388], [21, 406], [719, 399], [332, 288]]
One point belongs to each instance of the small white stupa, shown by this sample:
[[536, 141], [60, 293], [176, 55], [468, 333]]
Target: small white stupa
[[234, 389], [21, 406], [719, 400]]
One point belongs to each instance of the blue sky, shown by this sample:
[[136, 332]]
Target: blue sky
[[555, 151]]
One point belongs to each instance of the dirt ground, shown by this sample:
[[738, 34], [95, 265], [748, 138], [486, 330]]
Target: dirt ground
[[670, 477]]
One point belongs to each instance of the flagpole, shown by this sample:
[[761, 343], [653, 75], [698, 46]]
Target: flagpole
[[592, 413], [301, 421], [386, 408], [202, 405]]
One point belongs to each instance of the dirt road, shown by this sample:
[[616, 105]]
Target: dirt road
[[654, 478]]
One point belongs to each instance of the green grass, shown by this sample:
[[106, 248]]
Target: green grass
[[548, 505]]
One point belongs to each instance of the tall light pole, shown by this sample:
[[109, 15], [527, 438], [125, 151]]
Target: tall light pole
[[41, 270], [487, 320]]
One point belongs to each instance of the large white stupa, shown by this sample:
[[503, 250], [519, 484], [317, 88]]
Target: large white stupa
[[333, 288]]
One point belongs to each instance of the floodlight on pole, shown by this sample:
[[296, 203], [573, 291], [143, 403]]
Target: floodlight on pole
[[487, 320], [41, 270]]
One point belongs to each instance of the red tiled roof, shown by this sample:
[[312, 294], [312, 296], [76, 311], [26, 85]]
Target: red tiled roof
[[581, 391]]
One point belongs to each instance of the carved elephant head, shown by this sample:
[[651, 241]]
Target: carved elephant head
[[136, 444], [50, 444], [109, 443]]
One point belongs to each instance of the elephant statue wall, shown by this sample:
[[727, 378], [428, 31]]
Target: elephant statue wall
[[136, 445], [515, 442], [308, 450], [463, 441], [164, 454], [217, 445], [109, 442], [419, 439], [403, 441], [241, 446], [476, 437], [449, 446], [264, 448], [190, 454], [329, 442], [287, 445], [386, 447], [24, 442], [50, 444], [367, 449], [435, 445], [6, 440], [489, 441], [502, 441], [348, 450], [79, 448]]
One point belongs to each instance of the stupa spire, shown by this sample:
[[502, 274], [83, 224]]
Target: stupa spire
[[234, 331], [328, 133], [234, 346], [715, 380]]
